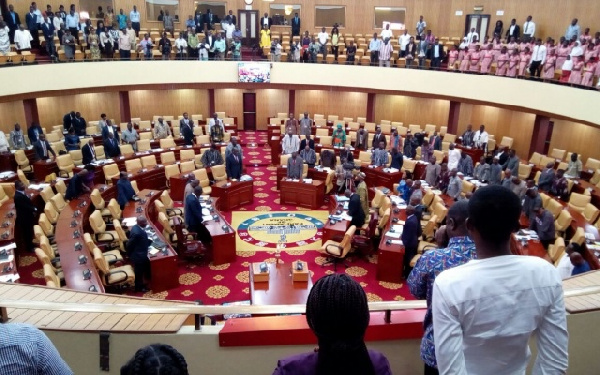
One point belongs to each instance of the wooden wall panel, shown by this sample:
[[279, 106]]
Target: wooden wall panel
[[268, 103], [10, 113], [230, 102], [551, 16], [52, 109], [148, 103], [411, 110], [576, 137], [499, 122], [342, 104]]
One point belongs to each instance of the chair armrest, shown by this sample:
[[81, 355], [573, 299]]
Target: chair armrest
[[114, 272], [175, 211], [105, 233], [335, 246], [110, 257]]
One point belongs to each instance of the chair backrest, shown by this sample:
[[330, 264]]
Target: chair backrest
[[21, 158], [187, 166], [143, 145], [590, 213], [202, 139], [51, 212], [50, 276], [126, 150], [219, 173], [451, 138], [59, 202], [97, 199], [119, 230], [429, 229], [592, 164], [346, 243], [579, 201], [524, 171], [65, 163], [96, 222], [579, 236], [77, 156], [507, 142], [171, 170], [45, 224], [185, 155], [535, 158], [554, 207], [167, 158], [100, 261], [557, 250], [146, 136], [376, 201], [164, 222], [42, 256], [133, 165], [321, 132], [147, 161], [167, 143], [22, 177], [440, 211], [114, 208], [563, 220], [283, 159], [545, 199], [110, 171], [558, 153], [202, 176], [89, 242], [61, 187], [100, 154], [383, 219], [166, 199], [430, 129]]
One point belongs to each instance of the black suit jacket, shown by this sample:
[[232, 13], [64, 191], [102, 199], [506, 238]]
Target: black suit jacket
[[262, 22], [86, 152], [296, 25], [355, 210], [68, 121], [375, 143], [232, 167], [442, 53], [31, 134], [39, 150], [188, 134], [31, 21], [79, 124], [9, 21], [311, 144], [231, 18], [209, 20], [137, 245], [411, 49], [410, 234], [112, 149], [516, 32], [25, 210]]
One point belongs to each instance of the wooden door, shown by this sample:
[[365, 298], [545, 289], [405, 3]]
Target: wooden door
[[249, 102], [481, 23], [248, 21]]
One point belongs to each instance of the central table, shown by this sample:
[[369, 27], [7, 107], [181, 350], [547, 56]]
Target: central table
[[302, 194], [233, 194], [280, 289]]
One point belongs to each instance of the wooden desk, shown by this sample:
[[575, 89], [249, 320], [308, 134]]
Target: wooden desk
[[275, 144], [302, 194], [337, 230], [377, 177], [390, 259], [474, 153], [223, 241], [238, 193], [41, 169], [280, 289], [336, 150], [580, 186], [150, 178], [163, 266]]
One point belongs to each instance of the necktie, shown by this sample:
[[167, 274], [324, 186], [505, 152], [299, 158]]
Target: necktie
[[527, 27], [236, 158], [93, 152], [44, 148]]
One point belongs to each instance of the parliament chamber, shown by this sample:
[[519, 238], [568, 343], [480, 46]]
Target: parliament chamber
[[97, 323]]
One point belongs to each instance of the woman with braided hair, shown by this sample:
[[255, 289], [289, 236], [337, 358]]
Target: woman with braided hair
[[156, 359], [338, 313]]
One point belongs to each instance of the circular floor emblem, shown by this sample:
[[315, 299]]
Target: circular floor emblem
[[290, 229]]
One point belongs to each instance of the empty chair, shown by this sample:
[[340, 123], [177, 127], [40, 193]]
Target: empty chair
[[51, 213], [219, 173], [65, 165], [166, 200], [23, 161], [99, 203], [143, 145], [171, 170], [112, 276], [506, 142], [110, 171], [336, 252], [114, 208], [524, 171], [100, 153], [46, 226], [168, 231], [557, 250], [579, 236], [50, 276], [127, 150], [202, 177], [535, 158], [61, 188], [167, 143], [578, 201], [185, 155], [562, 222], [558, 154], [134, 165], [100, 233], [58, 202], [168, 158], [554, 207], [22, 177], [77, 156], [147, 161], [590, 213]]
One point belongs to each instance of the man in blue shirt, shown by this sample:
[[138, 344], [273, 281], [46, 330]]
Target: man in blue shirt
[[404, 189], [580, 265], [573, 30], [374, 46], [460, 250]]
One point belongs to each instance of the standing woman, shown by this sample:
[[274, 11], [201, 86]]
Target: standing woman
[[497, 48], [464, 56], [335, 39], [498, 29], [486, 61], [525, 60], [106, 43], [566, 69], [115, 35], [502, 62], [588, 72], [94, 44], [576, 73], [4, 38], [562, 52], [513, 64], [265, 38], [474, 58], [590, 51], [452, 57], [337, 312], [549, 67]]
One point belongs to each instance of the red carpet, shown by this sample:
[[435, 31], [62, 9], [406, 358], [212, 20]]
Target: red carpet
[[229, 282]]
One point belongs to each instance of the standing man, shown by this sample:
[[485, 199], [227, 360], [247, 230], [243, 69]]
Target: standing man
[[380, 157], [460, 250], [385, 52], [161, 129], [77, 185], [421, 26], [465, 164], [513, 31], [308, 155], [25, 219], [294, 167], [31, 19], [211, 157], [437, 54], [323, 38], [125, 192], [472, 36], [308, 141], [209, 20], [362, 139], [215, 120], [538, 58], [79, 124], [23, 39], [410, 239], [134, 17], [362, 191], [354, 209], [453, 157], [230, 18], [292, 125], [88, 152], [290, 143], [233, 144], [168, 24], [42, 148], [467, 137], [13, 21], [130, 136], [72, 23], [374, 47], [187, 132], [137, 251], [512, 163], [16, 139], [48, 31], [266, 21], [377, 138], [305, 125], [111, 146], [543, 224], [480, 139], [547, 177], [528, 29], [295, 25], [573, 30], [403, 42], [454, 185], [233, 165], [510, 299]]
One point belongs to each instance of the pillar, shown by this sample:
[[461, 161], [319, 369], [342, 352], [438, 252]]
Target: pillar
[[292, 102], [211, 103], [371, 107], [124, 106], [453, 115], [31, 113], [542, 133]]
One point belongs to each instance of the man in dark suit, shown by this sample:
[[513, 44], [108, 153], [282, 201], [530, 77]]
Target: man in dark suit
[[34, 132], [111, 146], [294, 166], [309, 140], [43, 149], [31, 20], [68, 120], [231, 18], [186, 129], [266, 20], [13, 21], [110, 128], [193, 216], [125, 192], [233, 165], [77, 185], [436, 54], [296, 25], [355, 209], [378, 137], [88, 152], [410, 238], [137, 251], [199, 21], [209, 20], [25, 219], [513, 30], [79, 124], [48, 31]]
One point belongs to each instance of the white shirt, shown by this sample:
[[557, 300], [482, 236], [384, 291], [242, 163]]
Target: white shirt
[[471, 35], [421, 25], [453, 157], [485, 312], [3, 142], [480, 138], [290, 144], [529, 28], [229, 29], [180, 43], [511, 29], [23, 38], [211, 123], [403, 40], [57, 21], [386, 34], [134, 16], [565, 267], [539, 53], [323, 38], [39, 18]]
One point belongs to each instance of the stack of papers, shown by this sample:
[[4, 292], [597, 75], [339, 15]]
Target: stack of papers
[[342, 198], [345, 216], [9, 278], [206, 218], [246, 178], [393, 235], [129, 221], [398, 228], [38, 186], [307, 180], [7, 174], [397, 242]]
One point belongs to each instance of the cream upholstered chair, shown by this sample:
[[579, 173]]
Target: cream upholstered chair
[[99, 227], [562, 222], [283, 159], [112, 276], [65, 165], [558, 154], [557, 250], [524, 171], [100, 153], [61, 187], [127, 150], [146, 136], [23, 178], [450, 138], [168, 231], [590, 213], [58, 202], [111, 256], [167, 158], [187, 166], [115, 209], [185, 155], [46, 226], [51, 278], [167, 143], [23, 161], [147, 161], [507, 142], [383, 220], [133, 165], [171, 170], [535, 158], [143, 145], [377, 200], [77, 156], [99, 203], [202, 177], [45, 260], [167, 201], [110, 171], [578, 202], [545, 199], [554, 207], [591, 164], [579, 236], [51, 213], [336, 252], [218, 172]]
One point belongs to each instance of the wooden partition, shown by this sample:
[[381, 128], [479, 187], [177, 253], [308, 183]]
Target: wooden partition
[[411, 110], [51, 109], [10, 113], [342, 104], [145, 104], [268, 103], [576, 137], [499, 122]]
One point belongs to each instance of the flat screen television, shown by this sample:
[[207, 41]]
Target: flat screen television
[[254, 72]]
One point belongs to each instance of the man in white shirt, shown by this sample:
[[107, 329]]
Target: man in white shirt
[[453, 157], [134, 17], [215, 120], [323, 37], [387, 33], [403, 41], [290, 143], [421, 25], [486, 311], [472, 35], [528, 29], [124, 45], [181, 46], [3, 142], [481, 137], [538, 58], [385, 53], [72, 23], [229, 29], [23, 39]]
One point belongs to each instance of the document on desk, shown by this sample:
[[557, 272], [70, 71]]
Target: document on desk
[[129, 221], [397, 228], [9, 278], [393, 235], [307, 180], [345, 216], [206, 218]]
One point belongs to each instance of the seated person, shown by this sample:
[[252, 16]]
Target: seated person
[[309, 156], [565, 267], [580, 265], [337, 312], [156, 358], [347, 153], [404, 189], [125, 192], [212, 156], [77, 185], [71, 140]]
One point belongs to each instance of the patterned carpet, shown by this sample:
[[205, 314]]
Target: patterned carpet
[[229, 282]]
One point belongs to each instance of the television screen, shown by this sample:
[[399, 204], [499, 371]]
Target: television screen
[[254, 72]]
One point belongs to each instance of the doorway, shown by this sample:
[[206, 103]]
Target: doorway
[[249, 103], [248, 20], [481, 23]]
